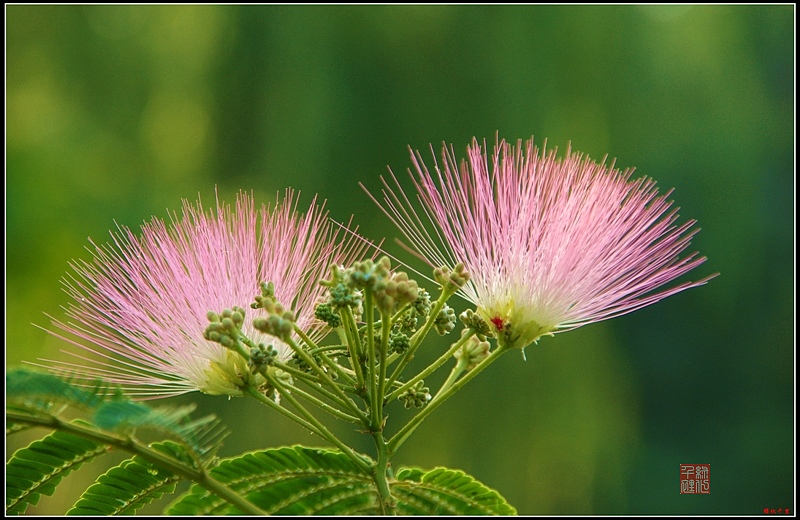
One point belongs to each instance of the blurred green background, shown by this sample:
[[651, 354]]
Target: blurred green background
[[115, 113]]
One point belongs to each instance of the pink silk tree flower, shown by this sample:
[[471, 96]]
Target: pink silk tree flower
[[551, 244], [140, 306]]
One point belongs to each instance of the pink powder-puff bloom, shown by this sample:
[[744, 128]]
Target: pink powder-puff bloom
[[140, 305], [551, 244]]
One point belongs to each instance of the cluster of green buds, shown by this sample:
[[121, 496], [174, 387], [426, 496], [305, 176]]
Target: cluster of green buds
[[399, 343], [406, 322], [419, 309], [324, 312], [398, 290], [278, 323], [445, 321], [451, 281], [225, 328], [417, 396], [422, 305], [472, 320], [368, 274], [232, 373], [391, 290], [267, 294], [261, 356], [474, 350], [340, 295]]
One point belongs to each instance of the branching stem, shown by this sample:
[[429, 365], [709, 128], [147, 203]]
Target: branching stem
[[401, 436], [432, 368], [197, 475]]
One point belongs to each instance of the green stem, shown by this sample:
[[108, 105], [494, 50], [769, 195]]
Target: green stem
[[321, 429], [345, 401], [337, 368], [299, 374], [342, 333], [328, 348], [380, 472], [198, 476], [353, 325], [432, 368], [386, 327], [348, 324], [316, 348], [457, 371], [372, 384], [401, 436], [325, 406], [300, 351], [263, 399], [313, 383], [418, 336]]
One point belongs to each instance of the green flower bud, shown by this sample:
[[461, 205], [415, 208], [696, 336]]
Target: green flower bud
[[399, 343], [423, 303], [384, 301], [473, 321], [445, 322], [368, 274], [452, 280], [267, 295], [324, 312], [416, 396], [225, 328], [341, 296], [279, 323], [406, 322], [475, 349], [261, 356], [396, 290]]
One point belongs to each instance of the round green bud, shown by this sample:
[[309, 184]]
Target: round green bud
[[416, 396], [476, 351], [473, 321], [324, 312], [445, 322], [399, 343], [422, 304]]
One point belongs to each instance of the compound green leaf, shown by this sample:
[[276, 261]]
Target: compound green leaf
[[443, 491], [36, 390], [313, 481], [38, 468], [128, 487], [287, 481]]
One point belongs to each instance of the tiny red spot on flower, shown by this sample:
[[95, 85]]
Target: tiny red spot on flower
[[498, 322]]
